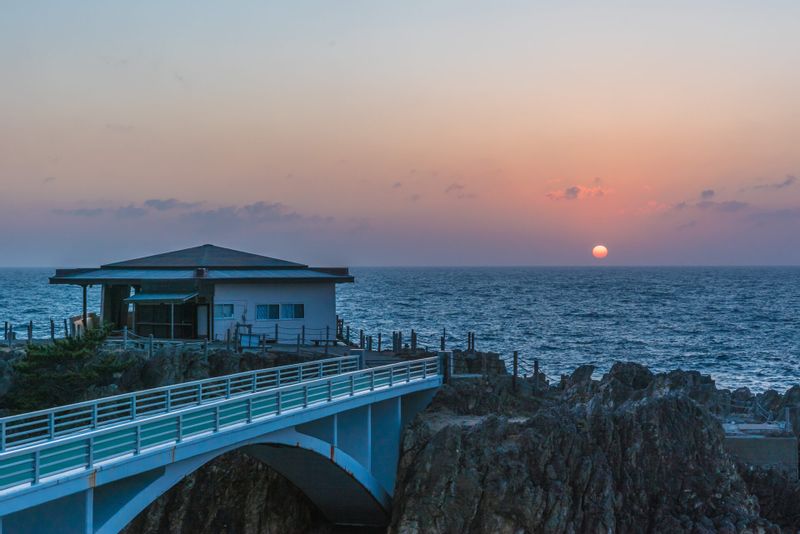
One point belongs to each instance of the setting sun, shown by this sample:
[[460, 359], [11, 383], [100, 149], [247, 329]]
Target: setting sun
[[599, 251]]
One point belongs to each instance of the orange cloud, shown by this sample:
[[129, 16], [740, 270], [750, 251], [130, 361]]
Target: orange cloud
[[577, 192]]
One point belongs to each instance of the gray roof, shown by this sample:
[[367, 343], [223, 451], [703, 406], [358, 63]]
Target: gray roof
[[208, 256], [135, 276], [206, 262]]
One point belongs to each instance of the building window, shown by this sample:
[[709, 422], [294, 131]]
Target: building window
[[273, 312], [223, 311], [265, 312], [292, 311]]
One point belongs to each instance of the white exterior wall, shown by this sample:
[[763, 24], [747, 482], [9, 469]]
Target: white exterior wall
[[318, 298]]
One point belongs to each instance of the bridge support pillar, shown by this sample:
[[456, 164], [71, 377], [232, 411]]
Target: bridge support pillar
[[67, 514], [385, 431], [324, 429], [88, 506], [353, 434]]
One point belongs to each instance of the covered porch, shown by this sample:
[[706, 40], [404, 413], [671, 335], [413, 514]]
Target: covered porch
[[169, 315]]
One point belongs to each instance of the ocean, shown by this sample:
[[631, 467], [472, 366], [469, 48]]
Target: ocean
[[741, 325]]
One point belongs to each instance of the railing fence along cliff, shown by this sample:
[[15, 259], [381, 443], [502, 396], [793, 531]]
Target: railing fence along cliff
[[46, 443], [44, 425]]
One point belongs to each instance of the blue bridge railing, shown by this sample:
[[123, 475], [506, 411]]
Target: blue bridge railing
[[28, 465], [47, 425]]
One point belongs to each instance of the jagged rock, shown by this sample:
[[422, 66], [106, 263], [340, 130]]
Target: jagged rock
[[581, 375], [627, 459], [742, 395], [777, 495]]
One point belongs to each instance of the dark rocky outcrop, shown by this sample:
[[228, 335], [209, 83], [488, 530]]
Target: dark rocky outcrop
[[632, 452], [778, 496]]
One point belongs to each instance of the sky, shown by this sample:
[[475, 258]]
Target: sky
[[401, 133]]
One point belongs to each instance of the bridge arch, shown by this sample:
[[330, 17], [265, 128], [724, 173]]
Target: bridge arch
[[343, 489]]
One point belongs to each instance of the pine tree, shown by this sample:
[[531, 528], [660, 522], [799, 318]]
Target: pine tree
[[62, 372]]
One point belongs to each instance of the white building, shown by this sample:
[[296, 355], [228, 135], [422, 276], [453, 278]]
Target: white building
[[208, 291]]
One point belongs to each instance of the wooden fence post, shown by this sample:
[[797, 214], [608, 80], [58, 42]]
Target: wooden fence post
[[347, 335], [150, 347], [228, 339], [536, 375], [52, 330], [125, 337], [379, 341], [413, 340], [205, 348], [276, 333], [66, 330], [303, 334], [298, 345], [361, 339], [516, 371], [30, 332]]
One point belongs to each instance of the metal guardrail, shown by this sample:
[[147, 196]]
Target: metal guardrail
[[46, 425], [28, 465]]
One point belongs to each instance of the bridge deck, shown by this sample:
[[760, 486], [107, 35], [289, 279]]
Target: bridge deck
[[78, 436]]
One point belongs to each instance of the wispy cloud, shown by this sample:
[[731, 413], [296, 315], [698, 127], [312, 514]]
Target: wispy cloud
[[258, 212], [577, 192], [728, 206], [130, 212], [707, 204], [458, 190], [168, 204], [49, 180], [783, 184], [80, 212], [455, 187]]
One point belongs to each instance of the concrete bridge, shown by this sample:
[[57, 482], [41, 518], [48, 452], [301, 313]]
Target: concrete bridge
[[331, 427]]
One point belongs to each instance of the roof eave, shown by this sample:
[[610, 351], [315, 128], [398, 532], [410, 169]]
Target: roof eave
[[56, 280]]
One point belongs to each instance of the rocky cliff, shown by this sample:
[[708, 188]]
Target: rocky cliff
[[632, 452]]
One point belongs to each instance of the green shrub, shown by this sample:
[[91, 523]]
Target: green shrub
[[62, 372]]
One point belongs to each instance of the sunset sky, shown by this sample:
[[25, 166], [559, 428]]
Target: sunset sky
[[401, 133]]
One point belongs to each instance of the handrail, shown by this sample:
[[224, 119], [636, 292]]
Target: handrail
[[45, 425], [28, 465]]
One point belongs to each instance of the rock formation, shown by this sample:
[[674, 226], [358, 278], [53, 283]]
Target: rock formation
[[633, 452]]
